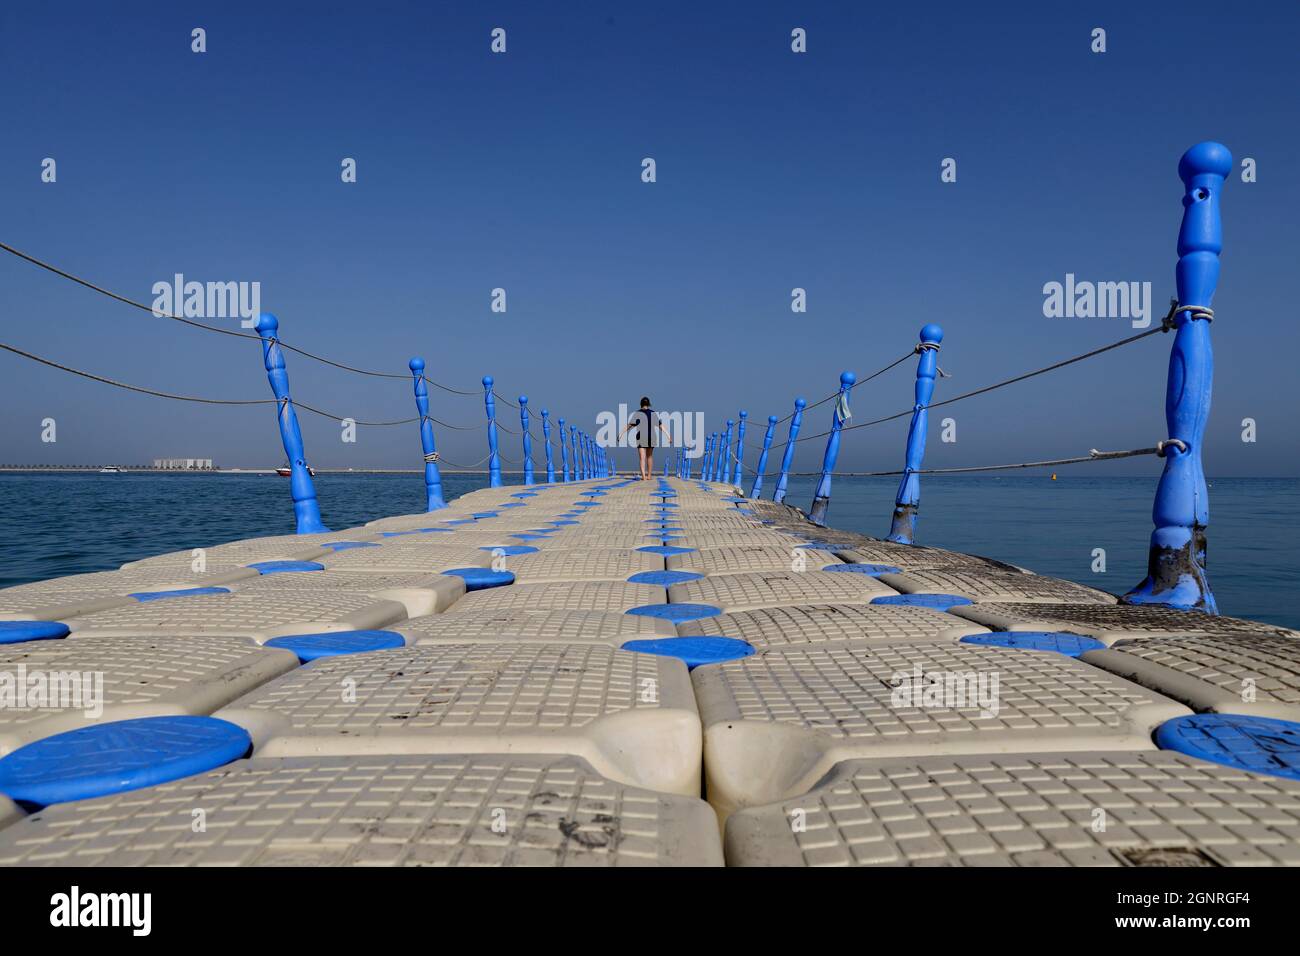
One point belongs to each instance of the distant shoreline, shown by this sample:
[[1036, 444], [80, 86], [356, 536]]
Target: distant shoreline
[[141, 470]]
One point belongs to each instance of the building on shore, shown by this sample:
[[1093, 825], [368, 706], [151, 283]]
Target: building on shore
[[183, 464]]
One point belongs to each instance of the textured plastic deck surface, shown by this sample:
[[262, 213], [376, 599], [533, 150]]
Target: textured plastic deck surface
[[631, 715], [1230, 674], [743, 560], [522, 624], [833, 623], [256, 615], [90, 680], [513, 729], [1158, 809], [561, 596], [471, 810], [775, 722], [1110, 623], [995, 586], [742, 592]]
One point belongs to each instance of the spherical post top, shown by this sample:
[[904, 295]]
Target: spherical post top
[[545, 413], [559, 420], [487, 381], [772, 419], [730, 422], [416, 364], [847, 379], [1205, 158], [744, 414], [267, 323], [799, 403], [523, 399], [932, 334]]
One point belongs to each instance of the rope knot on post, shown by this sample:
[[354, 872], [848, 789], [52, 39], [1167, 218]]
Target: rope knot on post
[[1170, 442]]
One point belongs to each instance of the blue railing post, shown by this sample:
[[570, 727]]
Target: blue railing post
[[564, 454], [1176, 561], [903, 527], [306, 510], [432, 476], [573, 453], [706, 472], [822, 497], [738, 475], [494, 459], [756, 488], [787, 457], [586, 456], [550, 455], [527, 439], [724, 473]]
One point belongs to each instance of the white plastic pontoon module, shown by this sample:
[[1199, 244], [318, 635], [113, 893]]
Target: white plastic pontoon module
[[226, 557], [241, 614], [1231, 674], [95, 679], [613, 628], [989, 585], [775, 722], [561, 596], [743, 560], [9, 812], [1155, 808], [633, 716], [395, 554], [471, 810], [136, 579], [607, 564], [743, 592], [1109, 623], [419, 592], [913, 558], [733, 539], [55, 605], [776, 627]]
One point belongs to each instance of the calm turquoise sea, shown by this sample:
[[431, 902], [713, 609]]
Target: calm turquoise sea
[[56, 524]]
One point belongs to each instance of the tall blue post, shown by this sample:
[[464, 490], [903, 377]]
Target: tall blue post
[[586, 461], [1176, 561], [550, 455], [527, 439], [903, 528], [787, 458], [822, 497], [756, 488], [432, 476], [564, 455], [494, 459], [573, 452], [737, 475], [306, 510], [706, 471], [724, 473]]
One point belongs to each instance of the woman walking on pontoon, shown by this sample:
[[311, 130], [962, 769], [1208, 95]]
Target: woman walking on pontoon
[[646, 422]]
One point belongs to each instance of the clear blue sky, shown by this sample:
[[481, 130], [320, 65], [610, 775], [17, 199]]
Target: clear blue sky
[[522, 171]]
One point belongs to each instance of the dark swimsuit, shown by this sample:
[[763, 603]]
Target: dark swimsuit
[[645, 420]]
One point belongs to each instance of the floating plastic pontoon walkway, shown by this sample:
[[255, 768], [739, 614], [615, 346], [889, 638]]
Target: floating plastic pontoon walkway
[[568, 682]]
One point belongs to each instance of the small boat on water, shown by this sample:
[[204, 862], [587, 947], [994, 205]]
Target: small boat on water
[[110, 470], [284, 471]]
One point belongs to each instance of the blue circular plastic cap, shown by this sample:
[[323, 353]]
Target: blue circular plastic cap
[[15, 632], [1060, 642], [528, 537], [118, 756], [676, 612], [565, 521], [1257, 744], [733, 499], [512, 549], [145, 597], [310, 647], [484, 514], [348, 545], [664, 549], [286, 567], [524, 494], [694, 650], [462, 520], [940, 602], [664, 578], [476, 579], [873, 570], [663, 536]]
